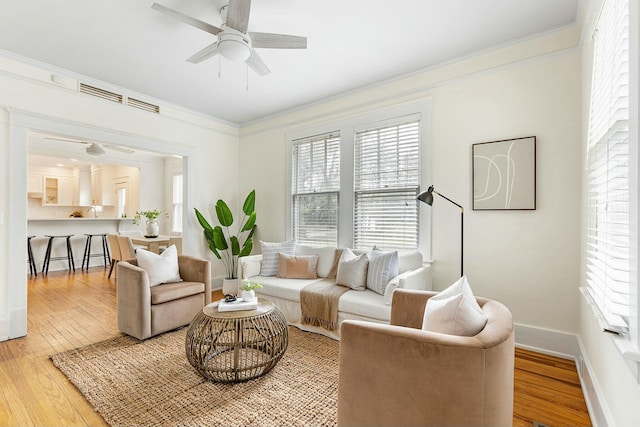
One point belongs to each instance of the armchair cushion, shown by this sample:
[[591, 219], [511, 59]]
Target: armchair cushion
[[161, 268], [454, 311], [173, 291]]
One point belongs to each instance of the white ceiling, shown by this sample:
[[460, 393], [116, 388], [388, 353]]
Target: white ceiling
[[351, 44]]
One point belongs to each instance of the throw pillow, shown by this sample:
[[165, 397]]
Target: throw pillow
[[383, 266], [326, 256], [270, 263], [297, 266], [352, 270], [454, 311], [161, 268]]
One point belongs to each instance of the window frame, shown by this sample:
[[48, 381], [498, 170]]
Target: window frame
[[627, 344], [347, 127]]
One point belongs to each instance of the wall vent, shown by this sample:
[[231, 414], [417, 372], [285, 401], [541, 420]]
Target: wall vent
[[136, 103], [100, 93]]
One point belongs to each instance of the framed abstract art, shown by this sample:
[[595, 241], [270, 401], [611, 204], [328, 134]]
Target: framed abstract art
[[504, 174]]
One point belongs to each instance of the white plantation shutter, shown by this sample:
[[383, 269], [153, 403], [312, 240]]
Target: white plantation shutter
[[386, 183], [608, 244], [315, 188]]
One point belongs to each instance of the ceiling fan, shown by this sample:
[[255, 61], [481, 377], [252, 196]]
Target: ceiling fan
[[234, 41], [95, 148]]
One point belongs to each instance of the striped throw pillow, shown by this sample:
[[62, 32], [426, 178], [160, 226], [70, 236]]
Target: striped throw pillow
[[270, 251]]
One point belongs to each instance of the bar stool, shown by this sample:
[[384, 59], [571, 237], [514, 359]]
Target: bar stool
[[87, 250], [32, 263], [48, 257]]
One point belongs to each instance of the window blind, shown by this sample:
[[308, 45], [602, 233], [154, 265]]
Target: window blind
[[386, 183], [315, 188], [608, 245]]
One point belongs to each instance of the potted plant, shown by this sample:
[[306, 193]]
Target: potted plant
[[248, 289], [153, 229], [226, 246]]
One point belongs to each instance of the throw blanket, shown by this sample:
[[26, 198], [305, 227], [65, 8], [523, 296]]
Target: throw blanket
[[319, 304]]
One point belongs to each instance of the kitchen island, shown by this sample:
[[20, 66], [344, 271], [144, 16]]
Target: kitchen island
[[39, 227]]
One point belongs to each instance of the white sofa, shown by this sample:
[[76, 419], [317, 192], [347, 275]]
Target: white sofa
[[358, 305]]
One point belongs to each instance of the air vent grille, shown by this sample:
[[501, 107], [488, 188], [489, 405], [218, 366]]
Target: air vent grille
[[136, 103], [100, 93]]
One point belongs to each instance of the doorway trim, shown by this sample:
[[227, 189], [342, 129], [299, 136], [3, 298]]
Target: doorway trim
[[20, 123]]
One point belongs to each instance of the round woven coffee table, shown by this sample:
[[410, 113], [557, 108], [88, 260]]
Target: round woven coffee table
[[236, 346]]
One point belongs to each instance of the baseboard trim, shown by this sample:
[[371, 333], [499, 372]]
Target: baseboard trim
[[555, 343], [567, 346]]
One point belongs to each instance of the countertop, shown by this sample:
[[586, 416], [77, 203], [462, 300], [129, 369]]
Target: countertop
[[80, 219]]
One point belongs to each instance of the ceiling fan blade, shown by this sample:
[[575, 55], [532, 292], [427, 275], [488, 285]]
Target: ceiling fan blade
[[118, 148], [277, 41], [203, 54], [66, 140], [238, 15], [186, 19], [256, 63]]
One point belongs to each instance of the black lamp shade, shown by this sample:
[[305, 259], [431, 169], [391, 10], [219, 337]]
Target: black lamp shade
[[427, 196]]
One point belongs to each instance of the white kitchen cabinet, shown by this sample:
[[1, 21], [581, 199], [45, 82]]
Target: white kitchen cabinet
[[34, 184], [57, 191], [102, 186], [81, 187]]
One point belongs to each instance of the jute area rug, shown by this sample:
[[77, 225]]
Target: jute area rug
[[151, 383]]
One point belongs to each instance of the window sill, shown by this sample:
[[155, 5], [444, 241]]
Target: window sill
[[629, 352]]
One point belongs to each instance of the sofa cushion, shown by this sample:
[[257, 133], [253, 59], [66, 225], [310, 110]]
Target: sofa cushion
[[326, 256], [276, 287], [383, 266], [297, 266], [352, 270], [173, 291], [269, 263], [365, 304], [454, 311], [161, 268]]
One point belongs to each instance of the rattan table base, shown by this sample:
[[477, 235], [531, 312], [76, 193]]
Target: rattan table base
[[239, 345]]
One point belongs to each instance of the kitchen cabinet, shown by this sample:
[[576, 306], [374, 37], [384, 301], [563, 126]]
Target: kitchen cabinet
[[34, 185], [81, 187], [102, 186], [57, 191]]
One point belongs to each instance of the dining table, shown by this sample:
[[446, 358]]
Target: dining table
[[151, 243]]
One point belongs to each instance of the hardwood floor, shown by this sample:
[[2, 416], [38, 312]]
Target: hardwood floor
[[67, 311]]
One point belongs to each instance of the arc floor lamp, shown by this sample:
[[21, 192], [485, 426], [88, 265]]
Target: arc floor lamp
[[427, 197]]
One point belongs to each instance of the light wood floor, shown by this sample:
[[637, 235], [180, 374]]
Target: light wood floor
[[67, 311]]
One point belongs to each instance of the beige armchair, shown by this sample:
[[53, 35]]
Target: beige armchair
[[400, 375], [144, 311]]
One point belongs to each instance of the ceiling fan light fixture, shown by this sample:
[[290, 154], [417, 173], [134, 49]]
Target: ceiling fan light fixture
[[95, 150], [234, 47]]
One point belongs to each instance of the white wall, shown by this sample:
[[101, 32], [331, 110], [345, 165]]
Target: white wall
[[526, 259], [28, 96]]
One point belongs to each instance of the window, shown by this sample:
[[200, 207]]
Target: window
[[315, 187], [608, 242], [176, 216], [386, 183]]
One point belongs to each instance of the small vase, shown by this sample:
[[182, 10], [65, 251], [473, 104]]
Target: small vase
[[249, 295], [230, 286], [153, 229]]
